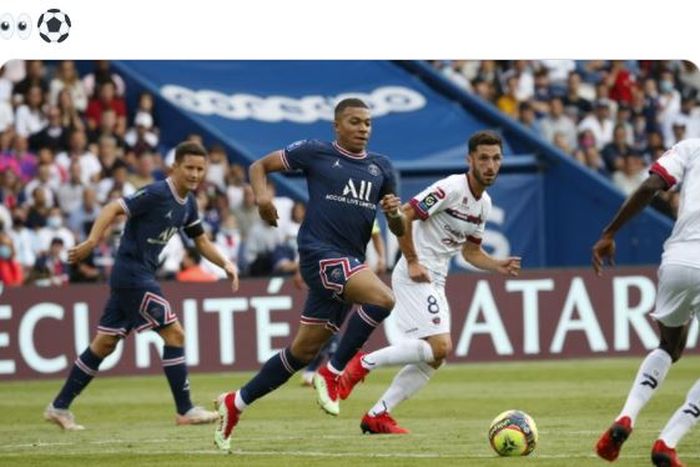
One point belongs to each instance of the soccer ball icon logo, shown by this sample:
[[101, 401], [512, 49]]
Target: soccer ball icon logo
[[53, 25]]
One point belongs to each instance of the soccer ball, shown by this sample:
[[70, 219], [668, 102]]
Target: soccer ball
[[513, 433], [53, 25]]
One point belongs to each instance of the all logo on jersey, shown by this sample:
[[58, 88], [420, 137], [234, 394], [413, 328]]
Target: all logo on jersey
[[360, 190], [356, 193], [163, 237]]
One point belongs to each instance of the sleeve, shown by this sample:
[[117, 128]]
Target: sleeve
[[193, 224], [389, 185], [478, 235], [431, 200], [672, 164], [296, 156], [138, 203]]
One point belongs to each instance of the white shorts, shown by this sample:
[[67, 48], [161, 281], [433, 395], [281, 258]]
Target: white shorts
[[421, 309], [678, 294]]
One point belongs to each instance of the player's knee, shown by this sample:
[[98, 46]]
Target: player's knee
[[386, 300], [441, 349], [674, 351], [104, 345], [303, 352]]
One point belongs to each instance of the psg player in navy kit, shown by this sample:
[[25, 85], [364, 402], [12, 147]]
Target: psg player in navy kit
[[345, 184], [155, 213]]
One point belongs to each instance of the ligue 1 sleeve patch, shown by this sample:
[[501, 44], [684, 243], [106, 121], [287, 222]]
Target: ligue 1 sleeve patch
[[431, 199], [294, 145]]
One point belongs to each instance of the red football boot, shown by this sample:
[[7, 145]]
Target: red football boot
[[354, 373], [381, 424], [611, 441], [663, 456]]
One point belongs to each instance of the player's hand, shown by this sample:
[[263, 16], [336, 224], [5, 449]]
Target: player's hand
[[80, 251], [232, 273], [268, 212], [604, 249], [391, 205], [509, 266], [417, 272], [298, 281]]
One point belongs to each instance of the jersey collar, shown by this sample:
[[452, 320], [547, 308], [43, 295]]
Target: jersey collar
[[345, 152], [177, 197]]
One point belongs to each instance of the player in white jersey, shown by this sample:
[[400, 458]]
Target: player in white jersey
[[677, 299], [453, 213]]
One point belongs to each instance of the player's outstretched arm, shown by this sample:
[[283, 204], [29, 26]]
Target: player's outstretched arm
[[104, 220], [604, 248], [258, 180], [476, 256], [210, 252], [391, 205]]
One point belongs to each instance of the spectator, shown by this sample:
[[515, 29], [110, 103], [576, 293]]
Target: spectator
[[23, 239], [247, 213], [140, 138], [106, 99], [235, 182], [107, 127], [90, 167], [119, 181], [11, 194], [80, 219], [53, 135], [7, 115], [26, 160], [67, 78], [50, 269], [69, 195], [573, 102], [614, 152], [55, 229], [103, 73], [600, 124], [228, 238], [558, 122], [34, 76], [191, 270], [621, 82], [526, 116], [143, 171], [11, 273], [508, 102], [454, 71], [70, 117], [43, 182], [631, 175], [679, 130], [29, 118], [107, 155], [218, 167], [38, 208]]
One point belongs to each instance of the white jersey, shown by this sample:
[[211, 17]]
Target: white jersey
[[451, 215], [681, 165]]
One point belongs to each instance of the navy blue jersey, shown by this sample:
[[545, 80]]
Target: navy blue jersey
[[344, 189], [155, 213]]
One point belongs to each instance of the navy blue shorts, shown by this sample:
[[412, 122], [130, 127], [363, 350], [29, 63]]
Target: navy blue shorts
[[326, 274], [140, 309]]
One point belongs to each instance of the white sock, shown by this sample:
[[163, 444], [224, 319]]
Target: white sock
[[651, 374], [239, 402], [408, 351], [408, 381], [684, 419]]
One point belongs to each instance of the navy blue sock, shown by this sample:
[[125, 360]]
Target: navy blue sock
[[274, 373], [84, 369], [360, 326], [176, 371]]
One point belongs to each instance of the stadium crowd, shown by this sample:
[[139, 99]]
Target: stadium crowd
[[69, 144], [614, 117]]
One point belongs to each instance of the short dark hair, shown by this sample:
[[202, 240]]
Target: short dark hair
[[487, 138], [349, 102], [189, 148]]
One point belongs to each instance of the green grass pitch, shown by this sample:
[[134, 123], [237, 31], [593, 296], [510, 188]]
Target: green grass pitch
[[130, 421]]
